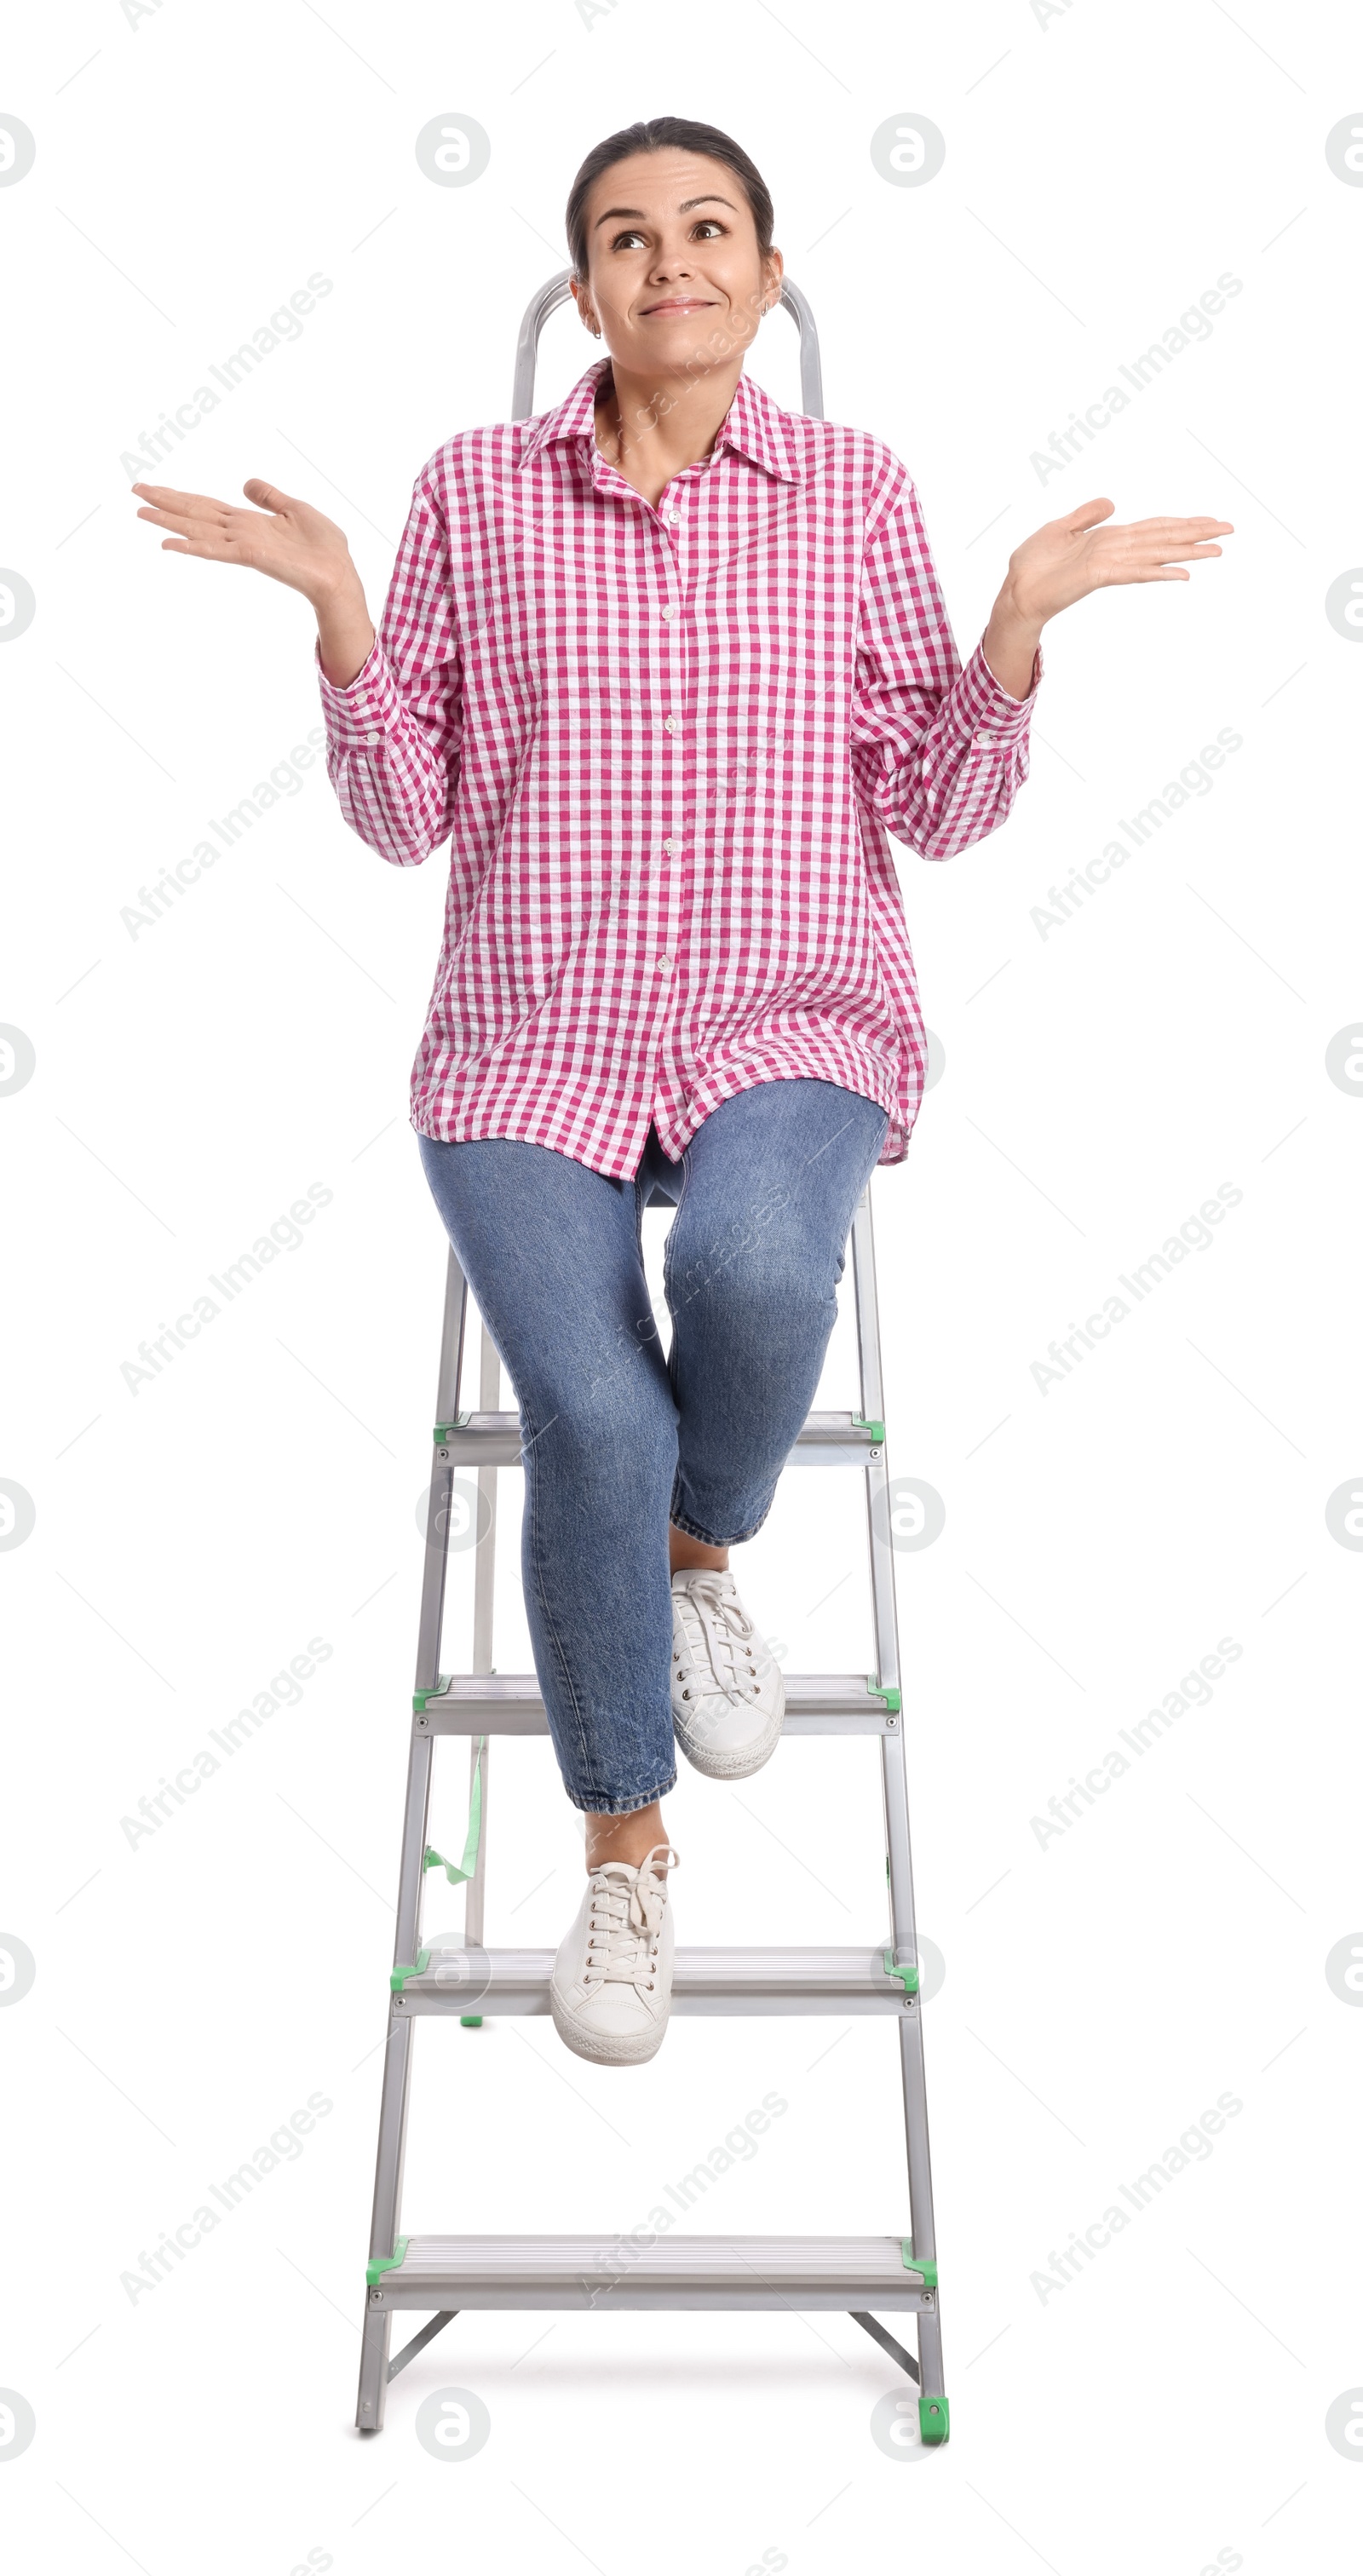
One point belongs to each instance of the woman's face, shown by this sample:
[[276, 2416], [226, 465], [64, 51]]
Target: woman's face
[[674, 275]]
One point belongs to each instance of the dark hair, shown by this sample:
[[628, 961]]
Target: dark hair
[[662, 134]]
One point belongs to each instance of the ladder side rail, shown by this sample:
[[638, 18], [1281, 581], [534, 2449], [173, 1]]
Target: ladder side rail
[[894, 1776], [416, 1811], [484, 1585], [374, 2341], [894, 1780], [811, 372], [930, 2380], [392, 2143], [546, 300], [451, 1340], [877, 1469], [905, 1948], [442, 1478], [397, 2068]]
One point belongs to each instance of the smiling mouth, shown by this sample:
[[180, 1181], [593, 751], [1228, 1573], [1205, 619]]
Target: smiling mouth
[[682, 304]]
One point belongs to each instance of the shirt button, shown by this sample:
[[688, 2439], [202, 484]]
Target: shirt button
[[372, 737], [669, 847], [986, 741], [664, 965], [666, 615], [669, 724]]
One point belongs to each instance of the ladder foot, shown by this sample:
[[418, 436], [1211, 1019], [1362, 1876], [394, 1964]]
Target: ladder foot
[[934, 2420]]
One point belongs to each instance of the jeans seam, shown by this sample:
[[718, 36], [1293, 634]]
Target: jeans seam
[[667, 1294], [639, 1187], [667, 1246], [551, 1629]]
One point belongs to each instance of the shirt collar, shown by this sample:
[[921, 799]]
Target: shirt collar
[[753, 424]]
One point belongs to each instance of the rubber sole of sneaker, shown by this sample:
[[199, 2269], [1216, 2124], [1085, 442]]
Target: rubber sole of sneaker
[[601, 2048], [739, 1764]]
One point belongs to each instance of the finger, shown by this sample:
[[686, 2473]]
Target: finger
[[1088, 515], [1148, 572], [187, 505], [180, 521], [195, 546], [1177, 554], [267, 496], [1179, 528], [217, 545]]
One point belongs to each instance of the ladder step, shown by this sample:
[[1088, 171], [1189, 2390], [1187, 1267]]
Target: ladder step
[[704, 1981], [510, 1704], [494, 1440], [674, 2272]]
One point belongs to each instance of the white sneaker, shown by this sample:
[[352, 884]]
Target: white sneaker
[[612, 1983], [728, 1696]]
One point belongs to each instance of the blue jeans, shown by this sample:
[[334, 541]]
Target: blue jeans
[[617, 1438]]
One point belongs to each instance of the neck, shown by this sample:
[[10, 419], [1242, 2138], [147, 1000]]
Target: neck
[[673, 423]]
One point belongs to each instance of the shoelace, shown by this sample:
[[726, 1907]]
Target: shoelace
[[626, 1919], [726, 1633]]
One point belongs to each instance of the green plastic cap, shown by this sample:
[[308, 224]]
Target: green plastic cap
[[934, 2419]]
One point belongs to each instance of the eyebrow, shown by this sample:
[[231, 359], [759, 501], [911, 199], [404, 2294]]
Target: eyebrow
[[612, 213]]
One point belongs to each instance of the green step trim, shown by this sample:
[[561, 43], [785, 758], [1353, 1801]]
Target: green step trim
[[894, 1699], [912, 2263], [908, 1972], [378, 2264], [876, 1429], [470, 2021], [442, 1430], [437, 1691], [934, 2420], [401, 1974]]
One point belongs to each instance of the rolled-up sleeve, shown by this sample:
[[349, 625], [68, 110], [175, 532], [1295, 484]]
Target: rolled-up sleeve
[[939, 752], [393, 734]]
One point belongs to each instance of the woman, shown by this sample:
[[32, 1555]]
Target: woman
[[666, 664]]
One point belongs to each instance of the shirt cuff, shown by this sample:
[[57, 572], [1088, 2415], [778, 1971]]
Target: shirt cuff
[[985, 707], [360, 714]]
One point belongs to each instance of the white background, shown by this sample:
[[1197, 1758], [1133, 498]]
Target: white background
[[1166, 2408]]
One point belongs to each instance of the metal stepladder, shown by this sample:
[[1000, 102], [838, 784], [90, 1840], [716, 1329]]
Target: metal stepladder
[[441, 2275]]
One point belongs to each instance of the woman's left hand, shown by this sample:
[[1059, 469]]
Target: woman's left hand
[[1068, 558]]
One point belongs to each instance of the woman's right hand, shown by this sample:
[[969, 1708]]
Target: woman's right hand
[[287, 540]]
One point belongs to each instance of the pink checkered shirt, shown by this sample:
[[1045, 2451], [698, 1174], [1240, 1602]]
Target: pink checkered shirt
[[668, 747]]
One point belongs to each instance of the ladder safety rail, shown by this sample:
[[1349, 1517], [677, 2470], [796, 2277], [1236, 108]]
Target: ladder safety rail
[[444, 1978]]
